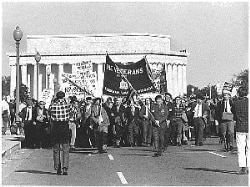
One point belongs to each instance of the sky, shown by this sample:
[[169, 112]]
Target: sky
[[215, 34]]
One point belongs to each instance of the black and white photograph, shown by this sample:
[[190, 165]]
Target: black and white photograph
[[125, 93]]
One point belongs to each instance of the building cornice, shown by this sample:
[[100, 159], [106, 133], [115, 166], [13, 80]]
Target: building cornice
[[171, 53], [96, 35]]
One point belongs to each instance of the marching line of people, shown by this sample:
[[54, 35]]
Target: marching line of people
[[92, 123]]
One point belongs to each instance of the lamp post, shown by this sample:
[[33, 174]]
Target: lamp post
[[37, 58], [17, 35]]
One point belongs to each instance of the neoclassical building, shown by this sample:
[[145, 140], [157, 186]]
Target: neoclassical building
[[60, 52]]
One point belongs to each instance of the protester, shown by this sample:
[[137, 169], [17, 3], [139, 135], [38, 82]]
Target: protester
[[41, 124], [108, 106], [177, 122], [74, 116], [132, 115], [59, 113], [29, 115], [5, 115], [99, 122], [159, 116], [170, 105], [146, 122], [200, 110], [86, 130], [242, 136], [118, 112], [225, 118]]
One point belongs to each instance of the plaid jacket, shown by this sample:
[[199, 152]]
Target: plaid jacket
[[59, 110], [179, 111]]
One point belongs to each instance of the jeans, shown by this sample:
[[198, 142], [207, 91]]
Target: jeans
[[242, 140], [199, 126], [29, 130], [40, 134], [133, 133], [176, 130], [61, 155], [158, 134], [147, 131], [228, 127], [72, 127], [102, 141]]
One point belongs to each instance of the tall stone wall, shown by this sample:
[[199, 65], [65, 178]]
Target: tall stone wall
[[94, 44]]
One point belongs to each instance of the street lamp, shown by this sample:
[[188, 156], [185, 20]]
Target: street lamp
[[37, 58], [17, 35]]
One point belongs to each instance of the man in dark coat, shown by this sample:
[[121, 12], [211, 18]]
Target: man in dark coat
[[159, 116], [41, 124], [118, 114], [28, 115], [132, 115], [225, 118], [146, 122], [200, 110], [242, 133]]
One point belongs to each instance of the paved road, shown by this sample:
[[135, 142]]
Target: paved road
[[186, 165]]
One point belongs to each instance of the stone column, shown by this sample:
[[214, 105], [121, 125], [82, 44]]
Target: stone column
[[60, 72], [180, 88], [169, 78], [24, 74], [184, 78], [47, 70], [175, 81], [40, 85], [12, 80], [35, 82], [100, 77], [28, 82]]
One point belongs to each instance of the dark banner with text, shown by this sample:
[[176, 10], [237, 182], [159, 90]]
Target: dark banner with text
[[138, 74]]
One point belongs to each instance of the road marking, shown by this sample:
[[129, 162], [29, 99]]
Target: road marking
[[223, 156], [122, 178], [110, 157]]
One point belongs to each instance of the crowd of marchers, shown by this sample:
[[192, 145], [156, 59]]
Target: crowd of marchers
[[119, 122]]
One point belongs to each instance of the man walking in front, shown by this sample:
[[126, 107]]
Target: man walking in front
[[242, 136], [159, 116], [59, 113], [200, 110]]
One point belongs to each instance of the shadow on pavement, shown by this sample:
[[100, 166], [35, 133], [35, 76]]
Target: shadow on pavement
[[36, 172], [213, 170], [145, 155], [200, 150]]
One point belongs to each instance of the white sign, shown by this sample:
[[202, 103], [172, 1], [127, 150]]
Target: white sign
[[219, 88], [47, 96], [83, 67]]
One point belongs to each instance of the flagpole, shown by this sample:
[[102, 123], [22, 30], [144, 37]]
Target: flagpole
[[83, 89]]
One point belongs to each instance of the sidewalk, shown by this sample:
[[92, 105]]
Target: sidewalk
[[10, 144]]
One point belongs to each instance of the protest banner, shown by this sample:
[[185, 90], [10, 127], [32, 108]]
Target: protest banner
[[138, 74]]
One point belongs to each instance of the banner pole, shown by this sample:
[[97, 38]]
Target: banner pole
[[132, 87], [83, 89]]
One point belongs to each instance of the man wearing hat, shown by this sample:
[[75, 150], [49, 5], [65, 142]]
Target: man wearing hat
[[59, 112], [28, 115], [100, 122], [225, 118], [200, 113], [41, 124], [159, 116], [117, 113]]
